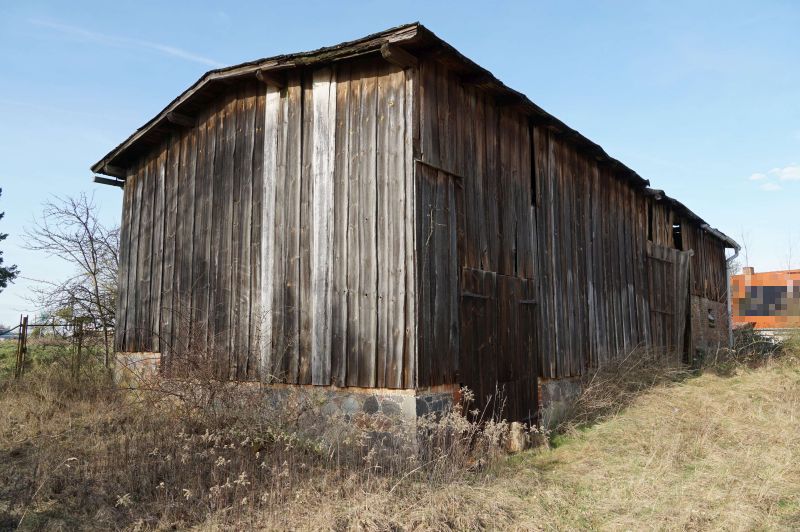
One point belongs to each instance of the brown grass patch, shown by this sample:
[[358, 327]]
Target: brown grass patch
[[651, 448]]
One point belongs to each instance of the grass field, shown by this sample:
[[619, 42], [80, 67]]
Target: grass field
[[717, 451]]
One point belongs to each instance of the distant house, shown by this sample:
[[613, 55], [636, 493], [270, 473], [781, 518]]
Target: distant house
[[384, 216], [768, 300]]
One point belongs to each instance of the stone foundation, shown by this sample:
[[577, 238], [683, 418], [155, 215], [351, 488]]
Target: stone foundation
[[555, 399], [132, 369], [325, 411]]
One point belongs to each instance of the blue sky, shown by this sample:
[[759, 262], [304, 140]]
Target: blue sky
[[701, 98]]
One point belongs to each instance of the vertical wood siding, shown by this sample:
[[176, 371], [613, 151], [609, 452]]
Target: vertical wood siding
[[318, 234], [276, 233], [537, 208]]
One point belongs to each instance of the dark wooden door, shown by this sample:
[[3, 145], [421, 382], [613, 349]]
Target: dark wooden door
[[497, 358], [668, 278]]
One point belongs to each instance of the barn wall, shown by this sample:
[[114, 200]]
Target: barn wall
[[190, 240], [529, 204], [274, 239], [709, 270], [475, 252], [339, 307], [534, 207]]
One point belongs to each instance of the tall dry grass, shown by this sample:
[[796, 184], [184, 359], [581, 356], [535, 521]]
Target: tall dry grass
[[179, 453], [717, 451], [608, 390], [647, 446]]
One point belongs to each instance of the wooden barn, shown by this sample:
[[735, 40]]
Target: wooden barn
[[385, 216]]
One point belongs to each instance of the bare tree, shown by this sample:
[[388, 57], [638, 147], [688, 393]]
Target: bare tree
[[69, 228]]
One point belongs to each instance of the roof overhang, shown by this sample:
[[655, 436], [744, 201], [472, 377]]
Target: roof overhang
[[683, 210], [408, 41]]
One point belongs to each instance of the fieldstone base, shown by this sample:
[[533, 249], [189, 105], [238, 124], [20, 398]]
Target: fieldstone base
[[133, 369], [556, 398], [334, 415]]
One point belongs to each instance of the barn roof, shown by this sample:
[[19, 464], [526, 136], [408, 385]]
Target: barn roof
[[414, 38]]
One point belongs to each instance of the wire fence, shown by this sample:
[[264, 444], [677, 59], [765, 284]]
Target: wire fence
[[79, 336]]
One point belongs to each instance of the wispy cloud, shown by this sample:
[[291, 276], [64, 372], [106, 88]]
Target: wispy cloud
[[125, 42], [787, 173], [772, 180], [770, 187]]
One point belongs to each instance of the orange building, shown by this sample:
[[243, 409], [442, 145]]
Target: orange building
[[770, 300]]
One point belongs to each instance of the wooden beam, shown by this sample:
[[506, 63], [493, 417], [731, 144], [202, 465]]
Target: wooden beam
[[116, 171], [273, 79], [112, 182], [181, 119], [397, 56]]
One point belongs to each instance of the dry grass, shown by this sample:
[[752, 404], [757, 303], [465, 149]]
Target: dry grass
[[611, 389], [713, 453], [89, 455], [718, 451]]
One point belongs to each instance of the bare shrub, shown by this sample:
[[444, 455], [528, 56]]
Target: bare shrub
[[751, 349], [609, 389], [182, 449]]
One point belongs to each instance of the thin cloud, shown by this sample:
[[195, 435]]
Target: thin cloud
[[126, 42], [770, 187], [757, 177], [787, 173]]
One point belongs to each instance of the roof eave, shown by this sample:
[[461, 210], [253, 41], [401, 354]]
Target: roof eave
[[366, 45]]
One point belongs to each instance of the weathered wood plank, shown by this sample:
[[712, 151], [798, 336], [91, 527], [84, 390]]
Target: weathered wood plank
[[357, 152], [340, 215], [410, 285], [243, 214], [203, 219], [157, 264], [306, 231], [323, 137], [491, 188], [120, 313], [145, 257], [170, 272], [367, 369], [186, 182], [257, 237], [219, 305], [132, 333], [383, 228], [274, 130], [291, 308], [455, 226], [237, 179]]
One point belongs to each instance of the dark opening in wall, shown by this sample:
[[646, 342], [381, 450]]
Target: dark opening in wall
[[677, 237], [650, 221]]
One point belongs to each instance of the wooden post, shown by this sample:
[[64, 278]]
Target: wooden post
[[78, 333], [18, 359], [21, 346]]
